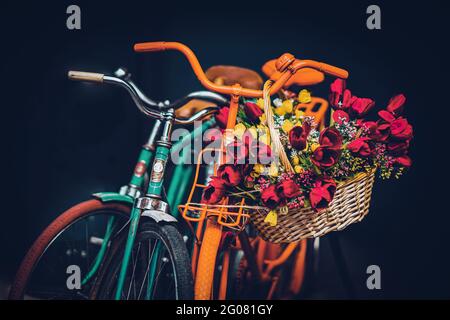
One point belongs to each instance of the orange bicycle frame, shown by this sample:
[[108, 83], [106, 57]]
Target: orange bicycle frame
[[204, 258]]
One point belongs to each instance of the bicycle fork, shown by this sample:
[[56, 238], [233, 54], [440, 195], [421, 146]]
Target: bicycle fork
[[152, 202]]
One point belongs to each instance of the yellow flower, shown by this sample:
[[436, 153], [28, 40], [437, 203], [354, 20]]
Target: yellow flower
[[258, 168], [314, 146], [298, 169], [263, 118], [262, 129], [265, 138], [304, 96], [295, 160], [271, 218], [253, 131], [286, 107], [299, 113], [287, 126], [254, 174], [280, 111], [239, 130], [273, 170], [260, 103]]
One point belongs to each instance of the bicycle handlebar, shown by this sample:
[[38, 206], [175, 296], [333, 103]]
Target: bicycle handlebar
[[146, 105], [286, 64]]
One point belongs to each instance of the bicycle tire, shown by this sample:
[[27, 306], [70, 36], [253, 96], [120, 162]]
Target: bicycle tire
[[45, 239], [206, 265], [104, 289]]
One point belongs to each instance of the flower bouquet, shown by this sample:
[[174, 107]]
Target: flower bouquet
[[301, 181]]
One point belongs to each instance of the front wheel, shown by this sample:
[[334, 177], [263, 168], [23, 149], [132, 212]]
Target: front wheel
[[159, 267], [71, 247]]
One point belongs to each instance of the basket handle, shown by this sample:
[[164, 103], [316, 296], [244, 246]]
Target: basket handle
[[277, 146]]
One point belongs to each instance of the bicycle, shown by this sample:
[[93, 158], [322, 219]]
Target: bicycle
[[94, 231], [121, 202], [214, 246]]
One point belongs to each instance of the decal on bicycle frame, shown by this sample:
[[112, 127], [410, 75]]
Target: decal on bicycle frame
[[140, 168], [158, 169]]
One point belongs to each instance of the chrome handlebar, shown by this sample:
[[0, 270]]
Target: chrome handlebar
[[150, 108]]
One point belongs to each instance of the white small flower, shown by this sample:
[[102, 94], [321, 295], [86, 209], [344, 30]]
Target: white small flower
[[277, 102]]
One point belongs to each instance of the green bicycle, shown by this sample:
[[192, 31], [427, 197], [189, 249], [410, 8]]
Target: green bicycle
[[126, 244]]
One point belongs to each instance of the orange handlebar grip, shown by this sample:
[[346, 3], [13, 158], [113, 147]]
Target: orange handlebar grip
[[150, 46], [334, 71]]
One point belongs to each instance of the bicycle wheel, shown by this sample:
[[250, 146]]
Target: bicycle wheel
[[294, 277], [58, 263], [172, 277]]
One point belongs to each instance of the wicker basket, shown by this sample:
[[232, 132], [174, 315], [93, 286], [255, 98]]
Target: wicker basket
[[350, 204]]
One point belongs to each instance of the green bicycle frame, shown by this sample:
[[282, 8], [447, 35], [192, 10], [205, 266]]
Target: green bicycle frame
[[178, 186]]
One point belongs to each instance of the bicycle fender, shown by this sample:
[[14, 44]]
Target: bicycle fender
[[158, 216], [113, 197]]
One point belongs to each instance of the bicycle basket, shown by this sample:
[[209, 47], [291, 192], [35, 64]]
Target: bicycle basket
[[350, 204]]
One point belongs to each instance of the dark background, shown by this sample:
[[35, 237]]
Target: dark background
[[64, 140]]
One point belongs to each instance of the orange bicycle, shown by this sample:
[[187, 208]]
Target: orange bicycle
[[229, 260]]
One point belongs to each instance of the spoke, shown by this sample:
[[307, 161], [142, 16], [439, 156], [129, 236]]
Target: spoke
[[161, 268], [132, 283], [151, 258], [86, 234], [146, 271]]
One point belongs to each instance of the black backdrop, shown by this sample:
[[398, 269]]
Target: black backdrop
[[64, 140]]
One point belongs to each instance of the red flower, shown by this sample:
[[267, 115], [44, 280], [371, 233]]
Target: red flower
[[325, 157], [398, 148], [395, 105], [252, 111], [288, 189], [212, 135], [222, 117], [237, 152], [360, 147], [401, 129], [247, 138], [340, 116], [322, 194], [383, 131], [340, 97], [230, 174], [330, 137], [360, 106], [214, 192], [377, 131], [403, 161], [298, 136], [260, 153], [386, 116], [270, 197]]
